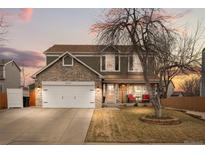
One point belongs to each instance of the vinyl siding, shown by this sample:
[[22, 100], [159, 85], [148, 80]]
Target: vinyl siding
[[49, 59], [13, 76], [94, 62]]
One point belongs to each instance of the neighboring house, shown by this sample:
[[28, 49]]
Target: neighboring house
[[85, 76], [10, 75], [177, 94]]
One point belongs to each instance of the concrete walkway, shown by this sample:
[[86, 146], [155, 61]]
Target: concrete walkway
[[200, 115], [196, 114], [44, 126]]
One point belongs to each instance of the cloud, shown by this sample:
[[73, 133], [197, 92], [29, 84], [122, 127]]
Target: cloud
[[32, 59], [26, 14]]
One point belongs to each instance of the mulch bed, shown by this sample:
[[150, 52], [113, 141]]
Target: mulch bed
[[168, 120]]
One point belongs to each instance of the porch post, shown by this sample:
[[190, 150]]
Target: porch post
[[116, 92]]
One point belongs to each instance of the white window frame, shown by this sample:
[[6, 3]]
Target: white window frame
[[114, 64], [67, 64], [136, 71]]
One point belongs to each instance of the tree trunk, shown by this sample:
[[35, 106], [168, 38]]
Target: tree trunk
[[154, 98], [158, 113]]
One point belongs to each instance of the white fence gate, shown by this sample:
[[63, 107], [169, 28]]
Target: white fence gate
[[15, 97]]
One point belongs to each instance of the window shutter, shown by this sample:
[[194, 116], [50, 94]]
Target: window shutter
[[116, 63], [103, 63], [131, 63]]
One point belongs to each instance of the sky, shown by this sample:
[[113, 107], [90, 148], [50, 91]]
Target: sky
[[32, 31]]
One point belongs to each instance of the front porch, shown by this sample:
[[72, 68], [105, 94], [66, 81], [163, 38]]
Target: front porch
[[118, 94]]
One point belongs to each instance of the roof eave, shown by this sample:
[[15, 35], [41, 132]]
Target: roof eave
[[67, 52]]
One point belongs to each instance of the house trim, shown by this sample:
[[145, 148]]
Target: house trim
[[63, 61], [87, 55], [14, 63], [53, 62], [65, 83], [53, 55], [129, 81], [59, 53], [4, 67], [80, 55]]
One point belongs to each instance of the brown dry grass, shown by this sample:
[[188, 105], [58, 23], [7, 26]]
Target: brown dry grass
[[124, 126]]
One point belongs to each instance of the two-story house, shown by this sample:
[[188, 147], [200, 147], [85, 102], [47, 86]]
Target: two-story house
[[10, 75], [85, 76]]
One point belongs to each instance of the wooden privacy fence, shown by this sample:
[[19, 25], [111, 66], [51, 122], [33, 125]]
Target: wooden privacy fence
[[186, 103], [3, 100]]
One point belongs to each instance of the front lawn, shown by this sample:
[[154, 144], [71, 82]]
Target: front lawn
[[124, 126]]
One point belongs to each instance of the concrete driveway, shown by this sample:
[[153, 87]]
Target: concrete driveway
[[44, 126]]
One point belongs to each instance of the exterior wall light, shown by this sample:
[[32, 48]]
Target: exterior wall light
[[98, 89], [39, 87]]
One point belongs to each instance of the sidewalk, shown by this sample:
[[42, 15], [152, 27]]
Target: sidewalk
[[200, 115]]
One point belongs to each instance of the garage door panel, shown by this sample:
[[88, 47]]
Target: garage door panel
[[79, 96]]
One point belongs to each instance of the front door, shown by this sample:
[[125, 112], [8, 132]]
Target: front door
[[123, 93]]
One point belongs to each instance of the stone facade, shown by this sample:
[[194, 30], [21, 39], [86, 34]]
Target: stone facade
[[77, 72]]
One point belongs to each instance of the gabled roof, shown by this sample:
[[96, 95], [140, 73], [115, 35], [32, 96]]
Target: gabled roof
[[4, 62], [62, 55], [60, 48]]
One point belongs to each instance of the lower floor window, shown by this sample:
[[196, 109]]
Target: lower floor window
[[137, 90], [114, 93]]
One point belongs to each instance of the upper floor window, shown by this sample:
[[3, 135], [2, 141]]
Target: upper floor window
[[134, 64], [67, 61], [110, 63]]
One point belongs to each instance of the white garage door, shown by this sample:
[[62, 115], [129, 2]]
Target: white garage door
[[68, 94]]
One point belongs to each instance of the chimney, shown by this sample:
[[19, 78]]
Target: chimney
[[203, 74]]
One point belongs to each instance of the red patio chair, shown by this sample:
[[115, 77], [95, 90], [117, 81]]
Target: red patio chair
[[145, 98], [131, 98]]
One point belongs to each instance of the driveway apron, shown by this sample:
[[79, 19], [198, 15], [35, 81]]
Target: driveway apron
[[44, 126]]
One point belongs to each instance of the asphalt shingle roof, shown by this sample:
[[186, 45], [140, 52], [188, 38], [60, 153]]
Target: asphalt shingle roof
[[86, 48]]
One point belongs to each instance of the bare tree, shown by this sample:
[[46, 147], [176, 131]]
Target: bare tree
[[191, 87], [183, 55], [3, 29], [140, 28]]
